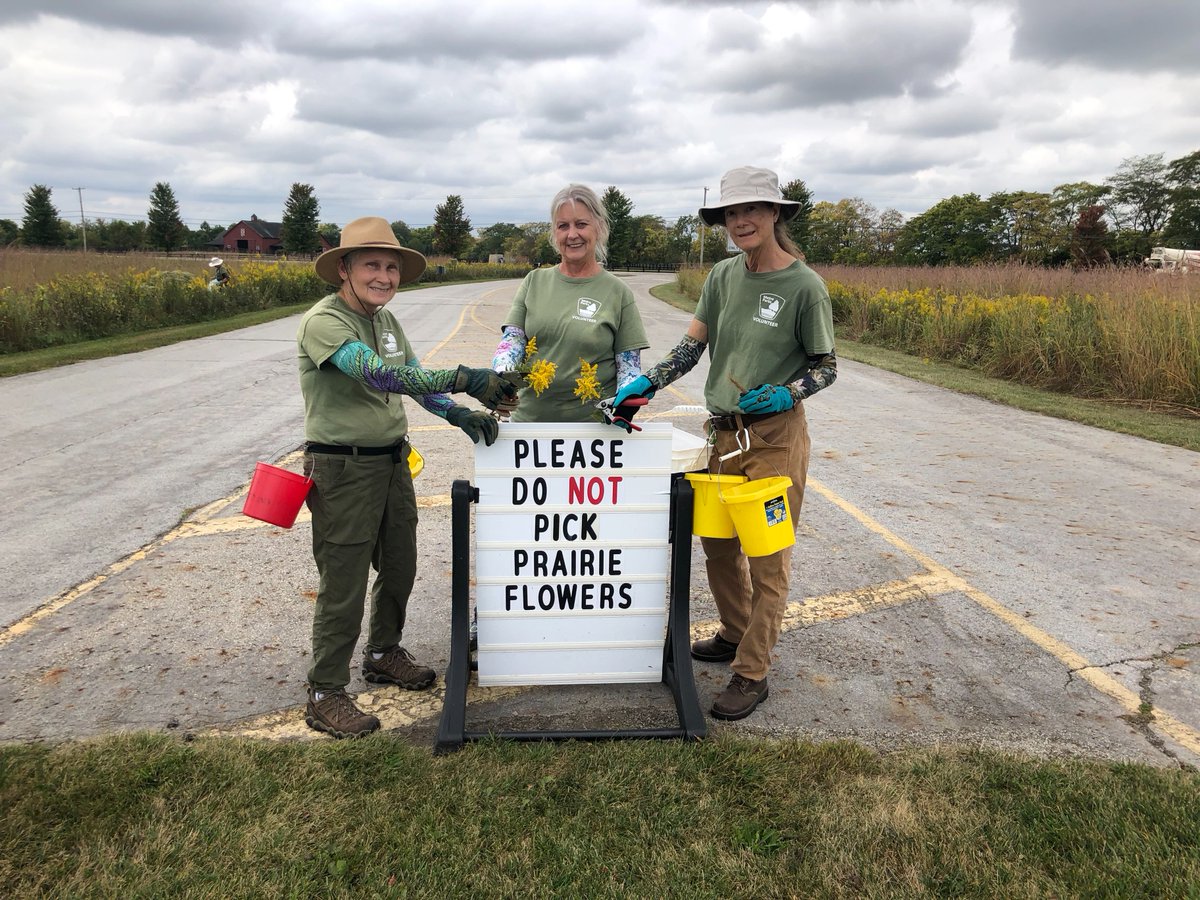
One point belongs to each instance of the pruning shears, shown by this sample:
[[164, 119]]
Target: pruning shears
[[612, 413]]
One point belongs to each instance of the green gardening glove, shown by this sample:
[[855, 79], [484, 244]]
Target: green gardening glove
[[490, 389], [475, 423]]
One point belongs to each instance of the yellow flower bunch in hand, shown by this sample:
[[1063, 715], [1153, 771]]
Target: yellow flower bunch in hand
[[538, 373], [586, 386]]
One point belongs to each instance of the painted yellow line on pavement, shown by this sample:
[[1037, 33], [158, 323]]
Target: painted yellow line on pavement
[[448, 338], [844, 604], [1183, 734]]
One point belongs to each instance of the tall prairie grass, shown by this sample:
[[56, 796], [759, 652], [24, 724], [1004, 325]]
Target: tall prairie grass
[[56, 299], [1109, 334]]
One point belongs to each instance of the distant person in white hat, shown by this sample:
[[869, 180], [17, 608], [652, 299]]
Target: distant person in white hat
[[767, 321], [220, 274], [355, 366]]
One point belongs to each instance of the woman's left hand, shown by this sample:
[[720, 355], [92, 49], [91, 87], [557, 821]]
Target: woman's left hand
[[766, 398]]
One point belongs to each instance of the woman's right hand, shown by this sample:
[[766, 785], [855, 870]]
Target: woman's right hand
[[639, 387]]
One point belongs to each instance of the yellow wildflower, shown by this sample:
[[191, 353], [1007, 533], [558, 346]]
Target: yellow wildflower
[[540, 374], [586, 385]]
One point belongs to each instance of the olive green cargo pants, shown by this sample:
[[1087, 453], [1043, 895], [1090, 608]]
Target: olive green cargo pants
[[364, 515]]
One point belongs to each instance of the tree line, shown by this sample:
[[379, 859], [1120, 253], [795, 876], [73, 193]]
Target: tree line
[[1147, 202]]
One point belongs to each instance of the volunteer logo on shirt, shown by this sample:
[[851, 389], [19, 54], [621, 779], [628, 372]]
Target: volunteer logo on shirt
[[587, 309], [389, 343], [768, 309]]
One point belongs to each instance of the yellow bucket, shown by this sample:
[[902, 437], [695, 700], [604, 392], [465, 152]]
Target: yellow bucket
[[709, 516], [760, 514], [416, 462]]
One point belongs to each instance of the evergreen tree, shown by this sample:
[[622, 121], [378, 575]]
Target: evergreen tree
[[798, 228], [40, 226], [619, 209], [165, 230], [451, 228], [301, 221]]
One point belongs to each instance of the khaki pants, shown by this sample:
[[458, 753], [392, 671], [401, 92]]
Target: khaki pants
[[751, 593], [364, 515]]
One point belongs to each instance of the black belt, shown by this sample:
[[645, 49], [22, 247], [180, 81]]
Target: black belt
[[730, 423], [343, 450]]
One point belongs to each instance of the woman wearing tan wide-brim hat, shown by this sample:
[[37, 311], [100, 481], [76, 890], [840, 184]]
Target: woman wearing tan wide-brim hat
[[767, 322], [356, 365]]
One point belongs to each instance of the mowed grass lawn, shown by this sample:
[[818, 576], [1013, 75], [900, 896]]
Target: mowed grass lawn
[[154, 816]]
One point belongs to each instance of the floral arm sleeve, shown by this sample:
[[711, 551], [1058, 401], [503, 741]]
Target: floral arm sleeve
[[510, 352], [822, 372], [629, 366], [361, 363], [681, 360]]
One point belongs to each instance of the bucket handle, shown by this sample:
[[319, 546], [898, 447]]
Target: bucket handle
[[742, 436], [283, 451]]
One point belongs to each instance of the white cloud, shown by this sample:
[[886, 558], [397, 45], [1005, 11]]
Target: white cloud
[[388, 108]]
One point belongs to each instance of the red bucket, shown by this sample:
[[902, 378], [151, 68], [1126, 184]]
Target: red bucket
[[275, 495]]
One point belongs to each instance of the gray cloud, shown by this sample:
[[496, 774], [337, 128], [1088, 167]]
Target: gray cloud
[[385, 108], [1113, 35], [843, 62]]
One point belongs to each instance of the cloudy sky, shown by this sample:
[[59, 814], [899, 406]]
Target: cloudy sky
[[386, 107]]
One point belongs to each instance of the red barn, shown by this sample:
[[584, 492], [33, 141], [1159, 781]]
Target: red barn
[[256, 236]]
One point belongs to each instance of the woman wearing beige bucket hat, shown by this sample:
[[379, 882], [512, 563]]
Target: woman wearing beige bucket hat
[[355, 365], [767, 321]]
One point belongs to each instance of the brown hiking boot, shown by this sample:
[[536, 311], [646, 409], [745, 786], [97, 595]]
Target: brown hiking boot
[[336, 714], [397, 666], [714, 649], [739, 699]]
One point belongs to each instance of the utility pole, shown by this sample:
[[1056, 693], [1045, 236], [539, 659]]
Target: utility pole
[[705, 203], [82, 220]]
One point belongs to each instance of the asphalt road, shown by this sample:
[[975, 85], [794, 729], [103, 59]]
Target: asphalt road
[[965, 573]]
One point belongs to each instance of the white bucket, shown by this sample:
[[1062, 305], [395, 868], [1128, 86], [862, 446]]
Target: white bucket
[[688, 452]]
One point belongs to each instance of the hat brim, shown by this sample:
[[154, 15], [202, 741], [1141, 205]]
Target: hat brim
[[715, 215], [412, 263]]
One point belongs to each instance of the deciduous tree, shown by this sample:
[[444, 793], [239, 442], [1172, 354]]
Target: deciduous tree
[[1183, 225], [421, 239], [955, 231], [1139, 197], [492, 240], [1090, 239]]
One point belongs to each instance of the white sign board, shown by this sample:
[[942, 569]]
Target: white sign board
[[572, 553]]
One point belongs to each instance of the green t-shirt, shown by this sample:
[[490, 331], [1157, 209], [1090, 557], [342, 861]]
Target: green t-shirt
[[762, 327], [572, 318], [339, 409]]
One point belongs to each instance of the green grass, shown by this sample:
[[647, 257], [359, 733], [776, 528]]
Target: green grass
[[34, 360], [155, 816], [1177, 428]]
